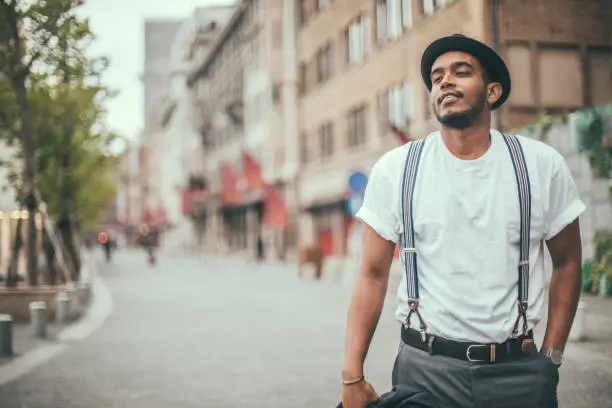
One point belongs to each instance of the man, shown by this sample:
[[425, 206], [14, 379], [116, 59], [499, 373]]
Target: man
[[471, 208]]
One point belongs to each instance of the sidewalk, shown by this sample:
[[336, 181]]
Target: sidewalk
[[586, 374], [24, 339]]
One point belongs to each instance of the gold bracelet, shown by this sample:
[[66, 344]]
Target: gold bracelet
[[351, 382]]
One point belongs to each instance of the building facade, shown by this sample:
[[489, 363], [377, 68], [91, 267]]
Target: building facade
[[180, 150], [359, 75], [159, 40], [242, 91]]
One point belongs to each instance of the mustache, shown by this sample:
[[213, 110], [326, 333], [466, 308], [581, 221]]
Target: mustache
[[456, 93]]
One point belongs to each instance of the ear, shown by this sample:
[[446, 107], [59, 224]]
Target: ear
[[494, 92]]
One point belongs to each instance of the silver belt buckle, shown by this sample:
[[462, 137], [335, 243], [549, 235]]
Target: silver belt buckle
[[467, 353]]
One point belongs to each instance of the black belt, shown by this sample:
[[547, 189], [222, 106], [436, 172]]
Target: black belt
[[510, 350]]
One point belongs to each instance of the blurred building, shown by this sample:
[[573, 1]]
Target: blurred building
[[128, 201], [180, 152], [359, 66], [247, 103], [159, 38], [170, 146]]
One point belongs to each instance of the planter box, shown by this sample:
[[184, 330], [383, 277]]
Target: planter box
[[15, 302]]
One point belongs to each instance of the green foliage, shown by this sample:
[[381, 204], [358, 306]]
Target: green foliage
[[602, 262], [63, 99], [73, 109], [593, 138]]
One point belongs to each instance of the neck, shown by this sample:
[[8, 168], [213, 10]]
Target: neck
[[469, 143]]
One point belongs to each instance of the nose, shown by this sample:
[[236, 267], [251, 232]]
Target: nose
[[446, 81]]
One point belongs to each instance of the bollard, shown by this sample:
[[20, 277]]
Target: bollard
[[62, 307], [85, 293], [38, 318], [6, 335], [577, 333]]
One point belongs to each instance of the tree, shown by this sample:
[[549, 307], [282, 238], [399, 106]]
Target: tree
[[37, 37], [75, 187]]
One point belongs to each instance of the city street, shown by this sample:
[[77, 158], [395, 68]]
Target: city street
[[204, 332], [201, 333]]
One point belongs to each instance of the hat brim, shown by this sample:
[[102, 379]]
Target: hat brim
[[488, 58]]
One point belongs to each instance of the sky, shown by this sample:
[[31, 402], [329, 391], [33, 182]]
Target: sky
[[119, 29]]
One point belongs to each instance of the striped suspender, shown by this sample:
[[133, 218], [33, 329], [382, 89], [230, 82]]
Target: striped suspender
[[408, 248], [524, 190], [408, 243]]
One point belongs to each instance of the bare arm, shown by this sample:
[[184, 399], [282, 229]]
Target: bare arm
[[367, 301], [566, 253]]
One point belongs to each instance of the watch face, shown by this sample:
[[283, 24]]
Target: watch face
[[556, 356]]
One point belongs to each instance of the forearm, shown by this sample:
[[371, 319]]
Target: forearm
[[563, 300], [364, 312]]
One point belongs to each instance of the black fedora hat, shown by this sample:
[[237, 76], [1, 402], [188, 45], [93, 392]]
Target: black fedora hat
[[488, 58]]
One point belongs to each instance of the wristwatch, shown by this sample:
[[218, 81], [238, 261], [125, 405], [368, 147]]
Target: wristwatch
[[555, 356]]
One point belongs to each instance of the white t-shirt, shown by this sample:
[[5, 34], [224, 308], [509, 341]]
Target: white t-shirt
[[467, 227]]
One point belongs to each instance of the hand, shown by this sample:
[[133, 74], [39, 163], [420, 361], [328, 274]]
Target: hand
[[358, 395]]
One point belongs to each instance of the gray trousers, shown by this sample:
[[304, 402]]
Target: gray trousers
[[530, 382]]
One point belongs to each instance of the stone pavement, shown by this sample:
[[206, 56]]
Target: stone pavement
[[211, 331]]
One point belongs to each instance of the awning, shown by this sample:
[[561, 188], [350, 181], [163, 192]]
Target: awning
[[275, 210], [252, 172], [337, 202], [229, 186]]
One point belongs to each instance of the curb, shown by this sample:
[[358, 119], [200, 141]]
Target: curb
[[100, 308]]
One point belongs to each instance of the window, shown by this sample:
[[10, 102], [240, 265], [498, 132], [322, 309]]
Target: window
[[408, 101], [302, 81], [400, 104], [357, 38], [324, 63], [396, 114], [356, 127], [303, 12], [407, 13], [304, 156], [428, 6], [326, 140], [383, 112], [392, 18], [323, 4]]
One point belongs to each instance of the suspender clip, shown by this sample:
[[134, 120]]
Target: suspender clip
[[409, 250], [414, 308], [522, 314]]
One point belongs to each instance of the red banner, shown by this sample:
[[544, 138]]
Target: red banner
[[252, 172], [229, 186], [275, 210]]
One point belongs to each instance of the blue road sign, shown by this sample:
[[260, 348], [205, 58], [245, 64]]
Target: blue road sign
[[357, 181]]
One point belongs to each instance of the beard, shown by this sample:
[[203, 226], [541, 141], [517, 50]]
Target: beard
[[463, 120]]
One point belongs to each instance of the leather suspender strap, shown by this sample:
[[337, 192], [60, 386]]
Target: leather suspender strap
[[407, 240], [524, 191]]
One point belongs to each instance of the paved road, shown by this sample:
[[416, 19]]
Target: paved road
[[210, 332], [203, 333]]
